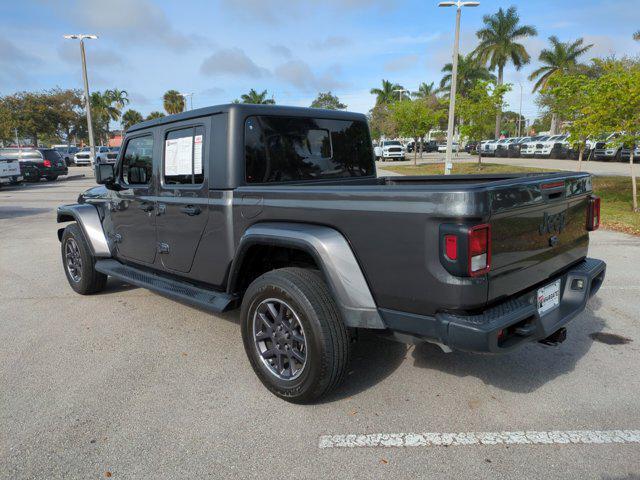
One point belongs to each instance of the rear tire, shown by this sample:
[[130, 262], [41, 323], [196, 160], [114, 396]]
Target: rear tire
[[311, 318], [52, 178], [79, 263]]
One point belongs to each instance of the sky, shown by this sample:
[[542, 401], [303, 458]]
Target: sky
[[219, 49]]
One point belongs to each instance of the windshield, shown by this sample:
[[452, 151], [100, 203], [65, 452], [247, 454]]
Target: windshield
[[391, 143]]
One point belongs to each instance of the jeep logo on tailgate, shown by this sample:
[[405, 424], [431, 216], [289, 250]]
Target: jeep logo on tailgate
[[552, 223]]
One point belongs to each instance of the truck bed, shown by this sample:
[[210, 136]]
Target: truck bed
[[393, 226]]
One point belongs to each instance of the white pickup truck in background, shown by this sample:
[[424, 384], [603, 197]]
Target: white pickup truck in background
[[10, 171], [389, 150]]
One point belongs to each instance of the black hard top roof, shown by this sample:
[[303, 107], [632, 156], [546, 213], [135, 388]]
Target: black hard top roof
[[246, 109]]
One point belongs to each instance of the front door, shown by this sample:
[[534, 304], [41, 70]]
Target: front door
[[133, 211], [182, 195]]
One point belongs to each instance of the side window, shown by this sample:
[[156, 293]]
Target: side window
[[183, 156], [137, 162]]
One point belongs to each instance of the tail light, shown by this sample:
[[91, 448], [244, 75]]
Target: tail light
[[47, 163], [465, 251], [479, 251], [593, 213]]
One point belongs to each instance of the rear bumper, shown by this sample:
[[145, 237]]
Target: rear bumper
[[517, 318]]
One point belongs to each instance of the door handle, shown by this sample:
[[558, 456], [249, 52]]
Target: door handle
[[191, 210], [146, 207]]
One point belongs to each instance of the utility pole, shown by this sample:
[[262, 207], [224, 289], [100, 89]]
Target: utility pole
[[185, 95], [454, 79], [87, 98]]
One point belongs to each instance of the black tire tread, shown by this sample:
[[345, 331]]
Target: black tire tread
[[92, 281]]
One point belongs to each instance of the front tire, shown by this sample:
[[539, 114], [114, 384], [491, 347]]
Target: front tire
[[79, 263], [293, 334]]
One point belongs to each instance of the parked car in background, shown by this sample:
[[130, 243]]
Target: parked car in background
[[513, 150], [489, 148], [389, 150], [555, 146], [471, 147], [442, 147], [528, 149], [609, 149], [10, 171], [502, 149], [112, 155], [37, 163], [83, 157], [66, 152]]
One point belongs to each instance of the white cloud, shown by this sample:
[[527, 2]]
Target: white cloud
[[141, 20], [231, 61], [280, 50], [398, 64], [300, 75], [331, 42]]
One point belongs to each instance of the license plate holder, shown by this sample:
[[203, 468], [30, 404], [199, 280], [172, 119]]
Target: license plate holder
[[548, 297]]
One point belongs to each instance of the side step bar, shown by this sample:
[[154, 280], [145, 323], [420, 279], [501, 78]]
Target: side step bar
[[207, 299]]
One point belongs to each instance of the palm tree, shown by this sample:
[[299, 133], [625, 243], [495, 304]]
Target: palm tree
[[154, 115], [636, 36], [104, 110], [130, 118], [470, 70], [257, 98], [387, 93], [173, 102], [561, 58], [425, 90], [119, 98], [499, 44]]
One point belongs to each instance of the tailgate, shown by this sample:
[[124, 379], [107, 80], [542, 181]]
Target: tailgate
[[538, 228]]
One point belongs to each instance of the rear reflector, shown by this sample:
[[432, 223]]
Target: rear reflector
[[451, 247], [593, 213], [479, 250]]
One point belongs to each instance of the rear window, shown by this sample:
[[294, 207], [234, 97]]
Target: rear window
[[286, 149], [51, 154]]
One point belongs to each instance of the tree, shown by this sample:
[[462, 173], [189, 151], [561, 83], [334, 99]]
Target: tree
[[155, 114], [173, 102], [103, 110], [387, 94], [119, 98], [562, 58], [614, 106], [499, 44], [636, 36], [328, 101], [470, 70], [510, 122], [130, 118], [479, 109], [414, 118], [425, 90], [257, 98]]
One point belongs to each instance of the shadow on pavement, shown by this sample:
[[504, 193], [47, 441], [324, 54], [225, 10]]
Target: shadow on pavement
[[524, 370], [373, 358], [17, 212]]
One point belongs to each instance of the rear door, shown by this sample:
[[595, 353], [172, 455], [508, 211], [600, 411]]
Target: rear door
[[183, 193], [538, 228]]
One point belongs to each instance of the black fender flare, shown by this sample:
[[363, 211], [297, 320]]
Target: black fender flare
[[87, 216]]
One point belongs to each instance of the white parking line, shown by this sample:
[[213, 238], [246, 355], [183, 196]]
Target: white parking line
[[480, 438]]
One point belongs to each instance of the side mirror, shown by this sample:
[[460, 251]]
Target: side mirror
[[105, 175]]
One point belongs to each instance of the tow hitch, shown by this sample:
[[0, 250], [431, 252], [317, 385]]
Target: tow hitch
[[555, 338]]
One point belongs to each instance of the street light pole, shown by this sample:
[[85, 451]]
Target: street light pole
[[400, 92], [454, 79], [520, 112], [87, 99]]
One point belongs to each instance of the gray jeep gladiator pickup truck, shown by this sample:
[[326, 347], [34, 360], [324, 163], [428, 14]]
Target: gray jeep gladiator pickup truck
[[278, 211]]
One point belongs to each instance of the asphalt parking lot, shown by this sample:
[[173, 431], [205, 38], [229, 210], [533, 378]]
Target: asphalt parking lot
[[128, 384]]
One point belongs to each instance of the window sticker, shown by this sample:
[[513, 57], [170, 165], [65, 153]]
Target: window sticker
[[178, 156], [197, 155]]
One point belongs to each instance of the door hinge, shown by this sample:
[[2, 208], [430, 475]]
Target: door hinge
[[163, 247]]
